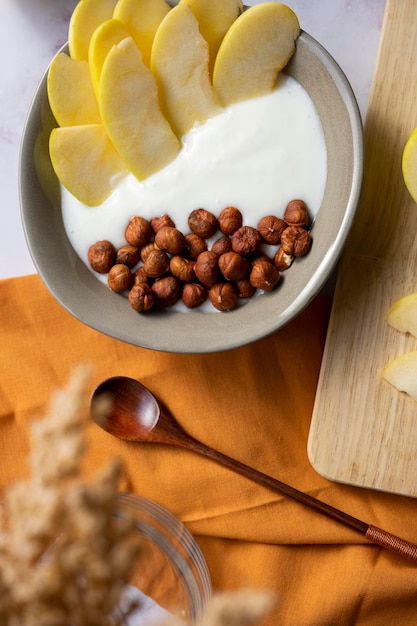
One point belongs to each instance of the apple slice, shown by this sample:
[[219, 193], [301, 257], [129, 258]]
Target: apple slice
[[87, 15], [142, 18], [214, 19], [255, 49], [70, 92], [108, 34], [402, 373], [85, 162], [409, 164], [129, 106], [179, 61], [402, 315]]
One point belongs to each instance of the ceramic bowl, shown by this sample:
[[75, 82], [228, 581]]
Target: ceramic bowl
[[89, 300]]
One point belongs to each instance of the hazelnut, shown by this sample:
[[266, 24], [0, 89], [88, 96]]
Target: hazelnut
[[203, 223], [140, 276], [167, 291], [193, 295], [223, 296], [233, 266], [156, 263], [222, 245], [260, 256], [128, 255], [271, 228], [282, 260], [244, 288], [182, 268], [138, 231], [119, 278], [170, 239], [147, 249], [296, 214], [230, 219], [101, 256], [264, 275], [159, 222], [141, 297], [194, 245], [206, 268], [246, 241], [295, 241]]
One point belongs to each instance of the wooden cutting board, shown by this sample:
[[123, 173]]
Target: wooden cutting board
[[363, 431]]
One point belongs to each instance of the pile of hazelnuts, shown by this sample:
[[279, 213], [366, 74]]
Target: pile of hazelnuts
[[159, 265]]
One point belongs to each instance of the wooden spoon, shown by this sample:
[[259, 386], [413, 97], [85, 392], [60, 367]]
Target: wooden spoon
[[135, 415]]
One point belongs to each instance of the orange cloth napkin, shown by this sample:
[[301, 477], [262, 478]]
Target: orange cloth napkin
[[253, 403]]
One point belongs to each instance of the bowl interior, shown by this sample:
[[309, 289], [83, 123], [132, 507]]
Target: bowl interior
[[74, 286]]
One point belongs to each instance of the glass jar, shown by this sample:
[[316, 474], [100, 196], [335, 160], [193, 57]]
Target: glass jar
[[171, 574]]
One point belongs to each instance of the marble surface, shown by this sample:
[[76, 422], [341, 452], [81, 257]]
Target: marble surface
[[31, 32]]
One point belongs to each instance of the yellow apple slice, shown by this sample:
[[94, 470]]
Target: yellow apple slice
[[402, 315], [142, 18], [107, 35], [70, 92], [129, 107], [86, 17], [255, 49], [214, 19], [401, 373], [179, 62], [409, 164], [85, 162]]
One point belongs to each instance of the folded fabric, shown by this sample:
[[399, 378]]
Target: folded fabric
[[253, 403]]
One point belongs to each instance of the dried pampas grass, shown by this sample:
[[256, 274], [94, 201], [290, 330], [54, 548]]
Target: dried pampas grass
[[65, 558]]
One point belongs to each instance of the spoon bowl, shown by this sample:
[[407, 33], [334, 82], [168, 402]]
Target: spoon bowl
[[134, 410], [126, 409]]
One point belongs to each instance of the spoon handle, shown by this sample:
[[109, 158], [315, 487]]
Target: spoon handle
[[374, 534]]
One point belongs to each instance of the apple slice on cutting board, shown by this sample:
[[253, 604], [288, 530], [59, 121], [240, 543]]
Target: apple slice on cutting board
[[142, 18], [70, 92], [85, 162], [402, 373], [179, 61], [129, 107], [402, 315], [214, 19], [255, 49], [86, 17], [409, 164]]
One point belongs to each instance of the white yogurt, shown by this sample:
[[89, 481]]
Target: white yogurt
[[256, 155]]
